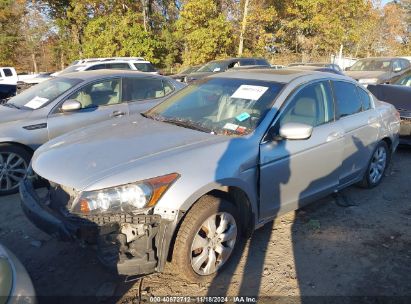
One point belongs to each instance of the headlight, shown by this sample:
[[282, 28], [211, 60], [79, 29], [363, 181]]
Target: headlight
[[368, 81], [124, 198]]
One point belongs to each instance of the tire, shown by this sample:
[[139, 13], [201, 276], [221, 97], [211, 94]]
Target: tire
[[193, 232], [14, 161], [376, 166]]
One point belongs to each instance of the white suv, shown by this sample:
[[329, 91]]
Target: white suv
[[118, 63]]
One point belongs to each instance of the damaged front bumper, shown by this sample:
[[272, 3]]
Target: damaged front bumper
[[127, 243]]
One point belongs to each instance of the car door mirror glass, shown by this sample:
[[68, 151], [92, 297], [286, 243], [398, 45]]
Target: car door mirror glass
[[71, 105], [295, 131]]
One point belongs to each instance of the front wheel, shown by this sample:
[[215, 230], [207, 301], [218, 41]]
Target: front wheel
[[14, 161], [206, 239], [377, 166]]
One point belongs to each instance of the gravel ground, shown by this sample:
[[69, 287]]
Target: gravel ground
[[357, 243]]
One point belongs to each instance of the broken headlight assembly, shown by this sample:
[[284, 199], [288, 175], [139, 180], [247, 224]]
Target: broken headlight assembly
[[124, 198]]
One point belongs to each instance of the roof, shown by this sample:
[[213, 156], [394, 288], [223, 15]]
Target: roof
[[235, 58], [86, 75], [285, 75]]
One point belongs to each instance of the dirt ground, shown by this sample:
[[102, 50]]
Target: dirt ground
[[355, 244]]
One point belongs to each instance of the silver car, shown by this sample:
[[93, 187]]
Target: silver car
[[66, 103], [210, 164]]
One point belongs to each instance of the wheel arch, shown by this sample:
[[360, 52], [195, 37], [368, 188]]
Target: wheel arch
[[14, 143], [235, 195]]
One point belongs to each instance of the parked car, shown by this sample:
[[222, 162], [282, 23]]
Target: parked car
[[181, 76], [316, 68], [68, 102], [8, 83], [31, 81], [15, 283], [399, 95], [333, 66], [210, 164], [218, 66], [378, 70], [117, 63]]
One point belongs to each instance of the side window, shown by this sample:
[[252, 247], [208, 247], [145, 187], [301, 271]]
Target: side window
[[365, 99], [405, 80], [101, 93], [118, 66], [396, 65], [347, 98], [312, 105], [247, 62], [97, 67], [405, 64], [261, 62], [233, 64], [8, 73], [142, 88], [168, 88]]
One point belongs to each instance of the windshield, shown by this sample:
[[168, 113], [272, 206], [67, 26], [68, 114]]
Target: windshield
[[213, 67], [404, 80], [189, 70], [222, 106], [42, 93], [371, 65], [73, 68], [144, 67]]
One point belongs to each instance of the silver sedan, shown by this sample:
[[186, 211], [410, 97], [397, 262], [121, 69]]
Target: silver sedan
[[210, 164]]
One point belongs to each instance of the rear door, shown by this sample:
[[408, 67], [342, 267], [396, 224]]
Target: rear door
[[101, 100], [143, 93], [361, 125], [294, 172]]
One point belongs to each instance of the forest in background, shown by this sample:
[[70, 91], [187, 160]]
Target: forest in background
[[46, 35]]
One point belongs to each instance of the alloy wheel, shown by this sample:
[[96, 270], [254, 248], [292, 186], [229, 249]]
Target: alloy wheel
[[377, 166], [13, 168], [213, 243]]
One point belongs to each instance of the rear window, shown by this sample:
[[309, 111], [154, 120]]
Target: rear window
[[347, 98], [144, 67]]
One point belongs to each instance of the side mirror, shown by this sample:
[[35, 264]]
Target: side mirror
[[296, 131], [397, 69], [216, 70], [71, 105]]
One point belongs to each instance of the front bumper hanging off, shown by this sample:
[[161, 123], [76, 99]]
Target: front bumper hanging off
[[126, 243]]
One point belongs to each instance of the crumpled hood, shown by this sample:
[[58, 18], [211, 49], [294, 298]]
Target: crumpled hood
[[11, 114], [381, 75], [83, 157]]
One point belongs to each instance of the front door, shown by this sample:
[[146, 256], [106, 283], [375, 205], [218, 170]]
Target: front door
[[100, 100], [293, 172]]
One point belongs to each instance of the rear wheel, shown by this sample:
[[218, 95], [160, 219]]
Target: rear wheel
[[206, 239], [14, 161], [377, 166]]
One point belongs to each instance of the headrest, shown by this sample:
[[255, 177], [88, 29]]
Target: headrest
[[305, 106]]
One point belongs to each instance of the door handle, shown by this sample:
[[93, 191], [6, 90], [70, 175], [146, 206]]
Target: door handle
[[117, 114], [334, 136]]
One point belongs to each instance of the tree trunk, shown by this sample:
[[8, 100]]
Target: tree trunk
[[33, 58], [243, 29]]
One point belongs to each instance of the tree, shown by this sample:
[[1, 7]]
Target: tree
[[205, 32], [11, 11]]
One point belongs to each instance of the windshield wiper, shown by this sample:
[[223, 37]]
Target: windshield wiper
[[186, 124], [11, 105]]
